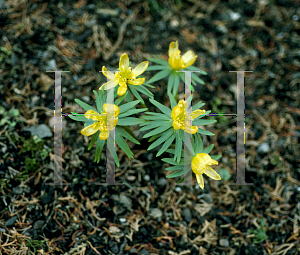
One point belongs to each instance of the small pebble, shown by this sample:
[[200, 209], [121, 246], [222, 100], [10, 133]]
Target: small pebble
[[177, 189], [295, 17], [187, 214], [224, 242], [123, 220], [147, 178], [156, 213], [162, 181], [144, 252], [51, 65], [263, 148], [38, 224]]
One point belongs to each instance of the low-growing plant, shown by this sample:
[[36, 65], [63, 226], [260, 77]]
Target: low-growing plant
[[166, 129]]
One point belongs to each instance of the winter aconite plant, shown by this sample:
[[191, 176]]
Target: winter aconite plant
[[166, 129]]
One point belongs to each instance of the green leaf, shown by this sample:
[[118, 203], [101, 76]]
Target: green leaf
[[208, 149], [176, 174], [84, 105], [142, 89], [136, 94], [123, 145], [193, 68], [153, 138], [172, 161], [197, 79], [178, 147], [124, 133], [158, 130], [198, 143], [154, 122], [160, 75], [171, 81], [198, 105], [173, 168], [224, 173], [172, 100], [127, 106], [94, 139], [159, 61], [77, 117], [162, 118], [161, 107], [189, 147], [162, 139], [176, 84], [204, 132], [128, 97], [203, 122], [120, 99], [155, 67], [99, 100], [172, 151], [148, 85], [129, 121], [188, 174], [99, 148], [166, 145], [216, 157], [131, 112]]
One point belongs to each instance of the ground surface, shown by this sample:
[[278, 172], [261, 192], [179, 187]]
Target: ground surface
[[149, 215]]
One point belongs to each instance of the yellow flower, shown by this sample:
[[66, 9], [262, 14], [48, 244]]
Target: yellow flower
[[125, 75], [178, 62], [101, 122], [201, 164], [178, 115]]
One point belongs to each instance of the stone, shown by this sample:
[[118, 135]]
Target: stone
[[38, 224], [263, 148], [125, 201], [162, 181], [224, 242], [187, 214], [41, 130], [155, 213], [11, 222]]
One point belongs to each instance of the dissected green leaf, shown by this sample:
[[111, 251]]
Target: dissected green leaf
[[131, 112], [94, 139], [127, 106], [160, 75], [161, 107], [123, 145], [121, 98], [136, 94], [203, 122], [159, 61], [160, 129], [128, 121], [176, 174], [171, 81], [204, 132], [144, 90], [162, 139], [172, 100], [197, 79], [124, 133], [193, 68], [216, 157], [178, 146], [208, 149], [176, 84], [155, 67], [77, 117], [166, 145], [174, 168], [84, 105], [99, 148]]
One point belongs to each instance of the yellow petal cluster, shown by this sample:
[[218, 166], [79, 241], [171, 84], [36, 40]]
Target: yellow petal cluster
[[176, 61], [180, 120], [201, 164], [101, 121], [124, 75]]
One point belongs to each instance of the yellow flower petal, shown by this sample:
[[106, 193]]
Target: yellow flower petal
[[175, 60], [138, 81], [172, 48], [212, 173], [115, 107], [188, 58], [108, 74], [103, 135], [176, 125], [122, 90], [200, 163], [90, 114], [91, 129], [195, 114], [140, 68], [200, 180], [124, 62], [109, 85], [191, 130]]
